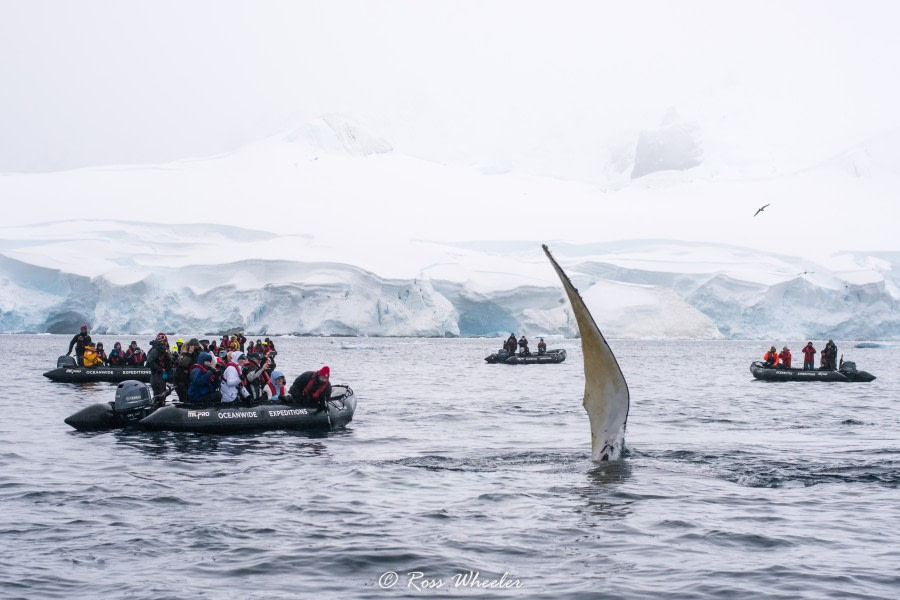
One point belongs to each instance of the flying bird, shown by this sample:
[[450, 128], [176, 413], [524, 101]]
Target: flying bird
[[759, 210]]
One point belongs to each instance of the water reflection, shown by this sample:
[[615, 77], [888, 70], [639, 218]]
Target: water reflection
[[190, 447]]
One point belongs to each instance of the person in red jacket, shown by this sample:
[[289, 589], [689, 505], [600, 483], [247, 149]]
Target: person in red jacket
[[809, 357], [785, 357], [771, 357]]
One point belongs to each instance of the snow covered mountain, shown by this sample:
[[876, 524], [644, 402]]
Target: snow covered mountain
[[123, 277], [321, 230]]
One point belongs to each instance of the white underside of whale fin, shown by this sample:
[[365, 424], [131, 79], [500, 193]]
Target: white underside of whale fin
[[606, 398]]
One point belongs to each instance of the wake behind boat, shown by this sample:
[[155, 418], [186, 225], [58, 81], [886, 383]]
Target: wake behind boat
[[548, 357], [135, 407], [846, 373], [67, 371]]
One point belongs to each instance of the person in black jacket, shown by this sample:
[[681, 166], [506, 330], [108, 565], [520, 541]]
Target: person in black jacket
[[80, 340], [183, 363], [159, 359], [312, 387]]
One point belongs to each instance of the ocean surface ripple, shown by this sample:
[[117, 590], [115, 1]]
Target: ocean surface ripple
[[462, 479]]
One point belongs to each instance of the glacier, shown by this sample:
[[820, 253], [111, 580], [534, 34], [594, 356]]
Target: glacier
[[126, 277], [329, 229]]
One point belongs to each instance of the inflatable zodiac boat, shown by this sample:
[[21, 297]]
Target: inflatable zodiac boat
[[504, 357], [68, 371], [135, 407], [847, 373]]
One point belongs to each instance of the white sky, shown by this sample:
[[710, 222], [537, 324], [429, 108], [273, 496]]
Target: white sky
[[472, 81], [546, 88]]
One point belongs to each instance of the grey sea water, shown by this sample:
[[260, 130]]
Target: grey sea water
[[456, 475]]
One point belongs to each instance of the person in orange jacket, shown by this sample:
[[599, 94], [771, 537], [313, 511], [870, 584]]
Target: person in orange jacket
[[785, 357], [771, 357]]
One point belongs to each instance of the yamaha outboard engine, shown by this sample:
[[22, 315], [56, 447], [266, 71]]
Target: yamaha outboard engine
[[133, 401], [66, 361]]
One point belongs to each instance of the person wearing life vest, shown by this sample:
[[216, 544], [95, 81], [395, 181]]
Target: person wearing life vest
[[134, 356], [542, 347], [312, 387], [189, 355], [101, 353], [785, 357], [204, 386], [116, 356], [255, 377], [771, 357], [232, 385], [90, 358], [79, 341], [276, 387], [809, 357]]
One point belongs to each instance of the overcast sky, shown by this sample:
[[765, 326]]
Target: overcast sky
[[477, 82]]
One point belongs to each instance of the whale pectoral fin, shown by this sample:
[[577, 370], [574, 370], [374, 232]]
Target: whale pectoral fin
[[606, 397]]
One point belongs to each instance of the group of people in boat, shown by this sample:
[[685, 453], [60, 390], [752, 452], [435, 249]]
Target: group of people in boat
[[88, 354], [522, 344], [827, 358], [201, 371]]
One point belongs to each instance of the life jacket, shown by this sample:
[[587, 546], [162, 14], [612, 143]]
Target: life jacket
[[309, 391], [771, 356], [276, 390], [91, 358]]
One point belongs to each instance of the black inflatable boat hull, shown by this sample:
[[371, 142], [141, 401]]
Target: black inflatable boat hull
[[221, 418], [92, 374], [549, 357], [216, 419], [780, 374]]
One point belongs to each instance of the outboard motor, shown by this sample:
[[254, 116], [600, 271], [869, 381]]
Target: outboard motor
[[66, 361], [848, 366], [133, 401]]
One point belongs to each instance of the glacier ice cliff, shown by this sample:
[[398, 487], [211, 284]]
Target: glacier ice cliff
[[143, 279]]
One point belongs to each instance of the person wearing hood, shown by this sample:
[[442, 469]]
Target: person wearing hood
[[276, 387], [542, 347], [312, 387], [204, 385], [79, 341], [116, 356]]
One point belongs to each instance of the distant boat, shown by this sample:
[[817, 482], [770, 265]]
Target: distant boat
[[847, 373], [67, 371], [548, 357]]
